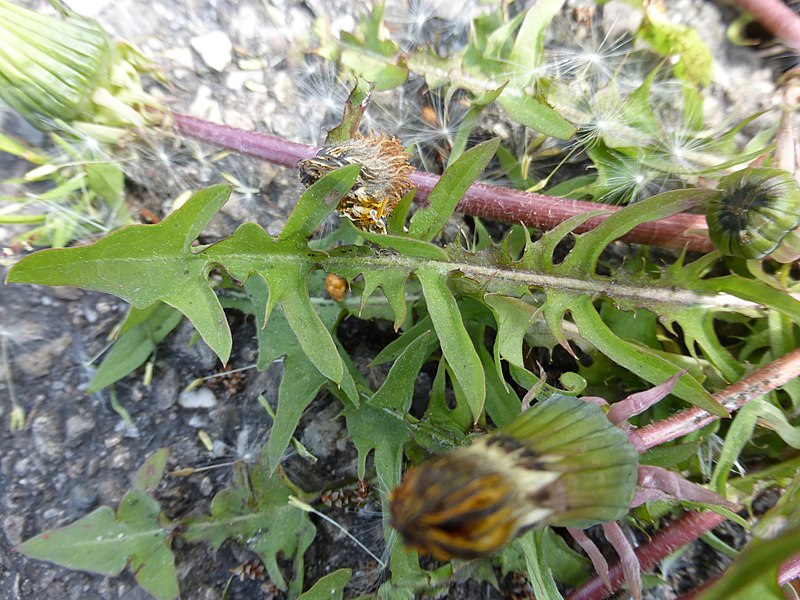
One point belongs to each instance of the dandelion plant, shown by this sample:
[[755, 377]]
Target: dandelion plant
[[512, 451]]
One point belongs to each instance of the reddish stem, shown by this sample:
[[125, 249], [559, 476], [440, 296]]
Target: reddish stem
[[776, 17], [758, 383], [790, 570], [481, 200], [683, 531], [693, 525]]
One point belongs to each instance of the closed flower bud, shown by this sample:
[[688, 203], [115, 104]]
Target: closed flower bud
[[67, 69], [560, 463], [754, 212]]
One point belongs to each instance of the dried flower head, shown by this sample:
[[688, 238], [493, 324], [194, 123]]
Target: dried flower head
[[561, 462], [382, 182]]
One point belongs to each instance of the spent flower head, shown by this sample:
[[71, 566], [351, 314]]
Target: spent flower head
[[383, 180]]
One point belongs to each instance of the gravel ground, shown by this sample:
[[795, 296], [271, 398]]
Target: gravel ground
[[233, 62]]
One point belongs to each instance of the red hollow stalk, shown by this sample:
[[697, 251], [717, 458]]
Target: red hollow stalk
[[693, 525], [776, 17], [790, 570], [758, 383], [481, 200], [678, 534]]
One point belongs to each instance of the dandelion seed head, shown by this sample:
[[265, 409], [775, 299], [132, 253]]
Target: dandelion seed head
[[593, 62], [624, 179], [322, 94], [160, 164]]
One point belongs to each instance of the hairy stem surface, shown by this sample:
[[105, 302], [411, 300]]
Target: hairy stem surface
[[758, 383]]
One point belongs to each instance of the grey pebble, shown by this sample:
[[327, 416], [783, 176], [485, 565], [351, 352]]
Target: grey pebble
[[80, 499], [47, 437], [12, 528], [76, 426]]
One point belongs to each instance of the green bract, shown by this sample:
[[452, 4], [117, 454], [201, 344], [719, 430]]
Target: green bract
[[49, 67], [67, 69], [754, 211]]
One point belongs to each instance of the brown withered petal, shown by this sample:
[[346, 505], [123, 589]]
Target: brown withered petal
[[381, 184]]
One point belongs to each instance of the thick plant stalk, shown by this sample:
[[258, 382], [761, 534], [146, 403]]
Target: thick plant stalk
[[776, 17], [758, 383], [481, 200], [790, 570], [678, 534]]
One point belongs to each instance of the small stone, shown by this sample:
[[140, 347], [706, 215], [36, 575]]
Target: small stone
[[104, 308], [204, 105], [76, 426], [165, 389], [214, 48], [258, 88], [200, 398], [112, 441], [206, 487], [7, 463], [12, 527], [51, 514], [46, 436], [121, 458], [620, 19], [234, 118], [66, 293], [22, 466], [219, 449], [250, 64], [236, 80], [93, 467], [197, 422], [180, 56], [283, 87], [90, 314], [247, 25], [318, 435], [39, 362]]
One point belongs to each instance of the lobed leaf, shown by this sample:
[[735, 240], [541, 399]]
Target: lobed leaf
[[379, 429], [329, 587], [255, 512], [300, 382], [638, 359], [144, 264], [535, 114], [104, 542], [754, 572], [539, 573], [285, 266], [319, 201], [397, 390], [528, 51]]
